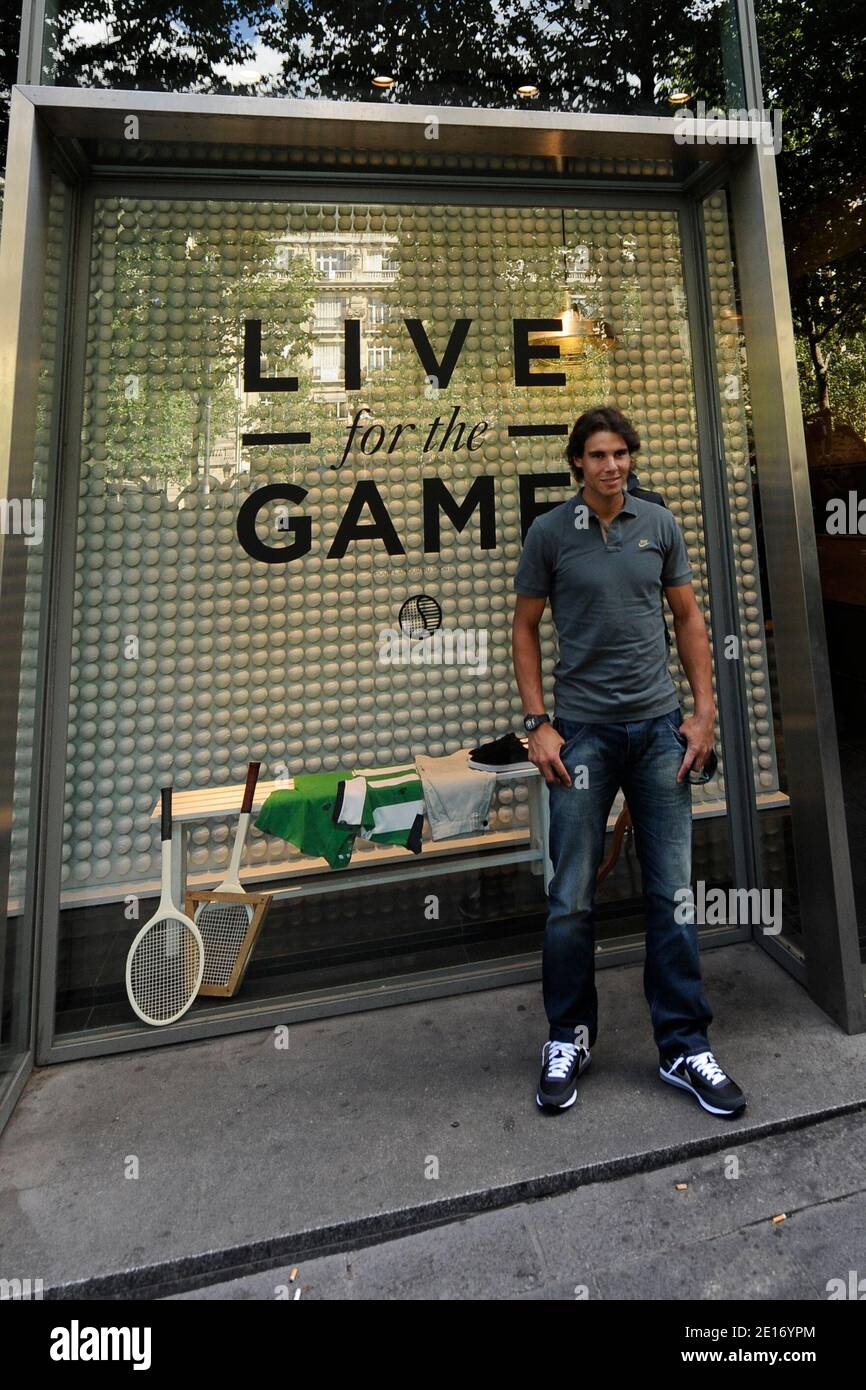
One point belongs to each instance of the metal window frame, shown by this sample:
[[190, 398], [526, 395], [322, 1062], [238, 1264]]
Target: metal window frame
[[826, 894], [23, 255], [32, 34], [65, 116], [749, 51]]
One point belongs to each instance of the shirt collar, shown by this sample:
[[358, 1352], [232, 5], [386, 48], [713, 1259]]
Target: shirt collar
[[628, 505]]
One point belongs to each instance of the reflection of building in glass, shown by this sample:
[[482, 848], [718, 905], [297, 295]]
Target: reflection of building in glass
[[349, 268], [222, 456]]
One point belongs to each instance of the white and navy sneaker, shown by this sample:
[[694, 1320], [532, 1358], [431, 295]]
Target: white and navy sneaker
[[701, 1074], [561, 1065]]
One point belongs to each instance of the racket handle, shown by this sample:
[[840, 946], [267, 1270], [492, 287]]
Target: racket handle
[[250, 788], [165, 825]]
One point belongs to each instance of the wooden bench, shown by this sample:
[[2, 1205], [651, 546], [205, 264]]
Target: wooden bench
[[387, 863], [378, 863]]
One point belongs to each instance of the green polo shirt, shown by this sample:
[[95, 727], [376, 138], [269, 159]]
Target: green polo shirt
[[607, 601]]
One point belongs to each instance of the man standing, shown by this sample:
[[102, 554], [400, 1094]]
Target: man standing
[[605, 558]]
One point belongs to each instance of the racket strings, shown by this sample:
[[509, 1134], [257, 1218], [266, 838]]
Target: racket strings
[[223, 928], [164, 969]]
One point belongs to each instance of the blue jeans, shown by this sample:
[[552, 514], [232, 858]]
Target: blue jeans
[[642, 757]]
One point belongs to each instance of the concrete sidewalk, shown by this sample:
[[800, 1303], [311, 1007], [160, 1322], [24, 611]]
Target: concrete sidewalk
[[250, 1156], [703, 1228]]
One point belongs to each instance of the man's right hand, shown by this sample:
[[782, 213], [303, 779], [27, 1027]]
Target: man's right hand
[[544, 746]]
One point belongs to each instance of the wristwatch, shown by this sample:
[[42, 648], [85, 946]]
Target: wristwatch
[[532, 721]]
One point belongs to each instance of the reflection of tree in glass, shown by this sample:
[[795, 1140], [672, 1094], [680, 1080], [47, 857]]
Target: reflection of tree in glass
[[482, 385], [147, 44], [814, 56], [175, 311], [602, 55]]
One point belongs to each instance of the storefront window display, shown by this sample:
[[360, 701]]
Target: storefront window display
[[302, 423]]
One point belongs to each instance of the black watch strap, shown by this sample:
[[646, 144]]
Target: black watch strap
[[533, 721]]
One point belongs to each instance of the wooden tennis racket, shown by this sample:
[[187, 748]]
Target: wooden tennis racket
[[228, 917], [166, 959]]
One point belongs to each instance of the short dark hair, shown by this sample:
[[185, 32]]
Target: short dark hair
[[599, 417]]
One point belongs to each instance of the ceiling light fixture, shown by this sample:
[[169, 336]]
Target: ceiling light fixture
[[382, 80], [527, 89], [579, 331]]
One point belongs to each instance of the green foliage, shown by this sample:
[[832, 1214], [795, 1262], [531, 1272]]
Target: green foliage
[[175, 310], [602, 55], [848, 379], [813, 63]]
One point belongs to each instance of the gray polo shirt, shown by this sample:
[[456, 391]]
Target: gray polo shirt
[[607, 604]]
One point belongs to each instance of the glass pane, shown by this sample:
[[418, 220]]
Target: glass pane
[[755, 610], [195, 651], [25, 570], [821, 175], [588, 55]]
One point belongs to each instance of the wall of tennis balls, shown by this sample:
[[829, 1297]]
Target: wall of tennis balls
[[424, 159], [232, 659], [730, 363]]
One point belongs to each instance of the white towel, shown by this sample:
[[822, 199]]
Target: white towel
[[457, 796]]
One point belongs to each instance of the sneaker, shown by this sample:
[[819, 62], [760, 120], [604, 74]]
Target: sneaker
[[502, 755], [561, 1065], [701, 1074]]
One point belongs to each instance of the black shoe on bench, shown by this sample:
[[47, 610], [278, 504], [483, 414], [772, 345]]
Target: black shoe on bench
[[506, 754], [701, 1074], [561, 1065]]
